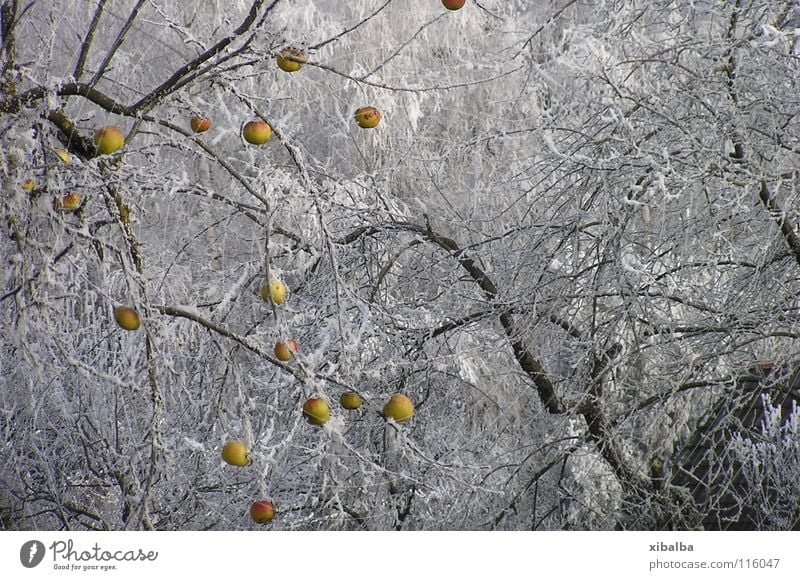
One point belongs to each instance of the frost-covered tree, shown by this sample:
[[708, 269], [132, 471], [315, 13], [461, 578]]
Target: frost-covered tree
[[569, 241]]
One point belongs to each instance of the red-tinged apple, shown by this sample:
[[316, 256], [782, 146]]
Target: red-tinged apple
[[108, 140], [453, 4], [350, 400], [262, 511], [256, 132], [291, 59], [367, 117], [127, 317], [284, 351], [399, 407], [235, 453], [200, 124], [316, 411], [274, 291]]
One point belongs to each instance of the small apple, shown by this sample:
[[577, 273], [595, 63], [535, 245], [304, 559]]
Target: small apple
[[316, 411], [262, 511], [350, 400], [200, 124], [291, 59], [275, 291], [127, 318], [70, 202], [108, 140], [64, 155], [235, 453], [367, 117], [29, 184], [256, 132], [453, 4], [284, 351], [399, 407]]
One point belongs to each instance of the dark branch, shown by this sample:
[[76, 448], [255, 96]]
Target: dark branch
[[167, 86], [779, 216]]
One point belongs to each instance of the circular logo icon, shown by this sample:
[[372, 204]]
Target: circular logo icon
[[31, 553]]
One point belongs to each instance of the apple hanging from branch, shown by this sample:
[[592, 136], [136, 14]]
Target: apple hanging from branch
[[235, 453], [367, 117], [350, 400], [262, 511], [69, 202], [399, 407], [453, 4], [274, 291], [200, 124], [108, 140], [256, 132], [316, 411], [284, 351], [127, 317], [291, 59]]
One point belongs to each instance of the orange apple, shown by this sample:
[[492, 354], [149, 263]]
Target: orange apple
[[316, 411], [127, 317], [350, 400], [200, 124], [284, 351], [108, 140], [453, 4], [262, 511], [256, 132], [70, 202], [291, 59], [275, 291], [367, 117], [399, 407], [235, 453]]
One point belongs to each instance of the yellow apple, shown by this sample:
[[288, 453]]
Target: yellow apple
[[256, 132], [350, 400], [291, 59], [64, 155], [127, 318], [274, 291], [453, 4], [235, 453], [284, 351], [200, 124], [108, 140], [29, 184], [69, 202], [262, 511], [367, 117], [316, 411], [399, 407]]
